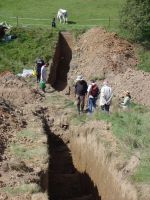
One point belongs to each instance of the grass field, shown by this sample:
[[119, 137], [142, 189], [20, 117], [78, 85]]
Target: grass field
[[81, 12]]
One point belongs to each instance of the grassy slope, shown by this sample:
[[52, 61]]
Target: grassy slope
[[23, 51]]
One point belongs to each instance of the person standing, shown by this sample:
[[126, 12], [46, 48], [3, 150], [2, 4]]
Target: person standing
[[93, 92], [54, 23], [39, 64], [80, 93], [126, 101], [43, 77], [105, 97]]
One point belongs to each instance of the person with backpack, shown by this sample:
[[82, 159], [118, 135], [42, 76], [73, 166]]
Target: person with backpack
[[105, 97], [80, 93], [93, 93]]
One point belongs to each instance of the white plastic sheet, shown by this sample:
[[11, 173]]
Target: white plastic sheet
[[26, 73]]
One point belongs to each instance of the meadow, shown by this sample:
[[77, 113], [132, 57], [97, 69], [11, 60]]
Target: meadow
[[81, 12]]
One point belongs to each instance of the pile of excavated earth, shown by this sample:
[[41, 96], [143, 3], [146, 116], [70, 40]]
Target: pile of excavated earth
[[97, 54], [102, 55]]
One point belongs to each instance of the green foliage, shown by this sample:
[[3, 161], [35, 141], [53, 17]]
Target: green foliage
[[144, 63], [135, 17], [23, 51]]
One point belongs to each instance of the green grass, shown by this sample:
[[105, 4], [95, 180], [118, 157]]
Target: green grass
[[29, 45], [144, 59], [27, 134], [24, 188], [80, 11], [133, 128], [28, 152]]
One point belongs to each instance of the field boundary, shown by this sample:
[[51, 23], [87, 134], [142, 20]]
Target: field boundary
[[20, 21]]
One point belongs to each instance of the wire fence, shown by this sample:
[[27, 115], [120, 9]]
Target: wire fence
[[28, 21]]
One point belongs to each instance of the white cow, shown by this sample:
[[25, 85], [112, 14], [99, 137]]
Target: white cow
[[62, 15]]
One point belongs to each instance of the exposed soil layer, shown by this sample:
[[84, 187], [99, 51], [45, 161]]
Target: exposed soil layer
[[65, 182], [61, 62]]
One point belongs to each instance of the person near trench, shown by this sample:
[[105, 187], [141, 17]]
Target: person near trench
[[43, 77], [39, 63], [105, 97], [93, 93], [126, 101], [80, 93]]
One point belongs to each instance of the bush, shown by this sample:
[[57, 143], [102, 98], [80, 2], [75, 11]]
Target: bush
[[135, 17]]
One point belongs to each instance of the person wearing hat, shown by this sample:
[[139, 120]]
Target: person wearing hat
[[105, 96], [80, 93], [126, 101]]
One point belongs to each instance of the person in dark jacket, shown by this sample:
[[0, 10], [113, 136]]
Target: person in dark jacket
[[54, 23], [80, 93], [39, 64]]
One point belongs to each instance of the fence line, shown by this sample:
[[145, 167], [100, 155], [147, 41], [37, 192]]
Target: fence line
[[17, 18]]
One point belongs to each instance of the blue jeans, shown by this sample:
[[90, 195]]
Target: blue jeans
[[91, 104]]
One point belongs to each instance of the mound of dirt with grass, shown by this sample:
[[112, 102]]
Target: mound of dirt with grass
[[17, 90], [103, 55], [11, 120]]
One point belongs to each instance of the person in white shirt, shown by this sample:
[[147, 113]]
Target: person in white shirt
[[43, 76], [105, 97]]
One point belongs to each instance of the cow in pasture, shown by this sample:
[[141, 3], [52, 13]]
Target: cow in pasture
[[62, 16]]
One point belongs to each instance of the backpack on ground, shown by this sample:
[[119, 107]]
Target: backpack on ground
[[95, 90]]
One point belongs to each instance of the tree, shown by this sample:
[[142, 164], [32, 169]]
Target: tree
[[135, 17]]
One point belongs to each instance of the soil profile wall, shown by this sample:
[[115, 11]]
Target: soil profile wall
[[89, 155]]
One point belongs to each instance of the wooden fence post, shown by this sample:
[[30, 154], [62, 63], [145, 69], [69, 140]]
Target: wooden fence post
[[109, 22], [17, 18]]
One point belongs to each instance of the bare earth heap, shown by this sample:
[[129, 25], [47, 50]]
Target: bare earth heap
[[100, 54]]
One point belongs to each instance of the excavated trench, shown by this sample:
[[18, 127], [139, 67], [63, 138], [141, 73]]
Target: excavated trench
[[65, 182], [79, 173], [61, 62]]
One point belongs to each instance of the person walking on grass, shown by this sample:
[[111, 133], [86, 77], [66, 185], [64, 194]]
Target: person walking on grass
[[93, 92], [105, 97], [80, 93], [43, 77]]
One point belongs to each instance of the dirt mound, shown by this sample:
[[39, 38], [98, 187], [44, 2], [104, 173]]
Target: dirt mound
[[17, 90], [10, 120], [99, 54], [137, 82]]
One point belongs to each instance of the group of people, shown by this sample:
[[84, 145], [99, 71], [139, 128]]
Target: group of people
[[92, 91], [41, 73]]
